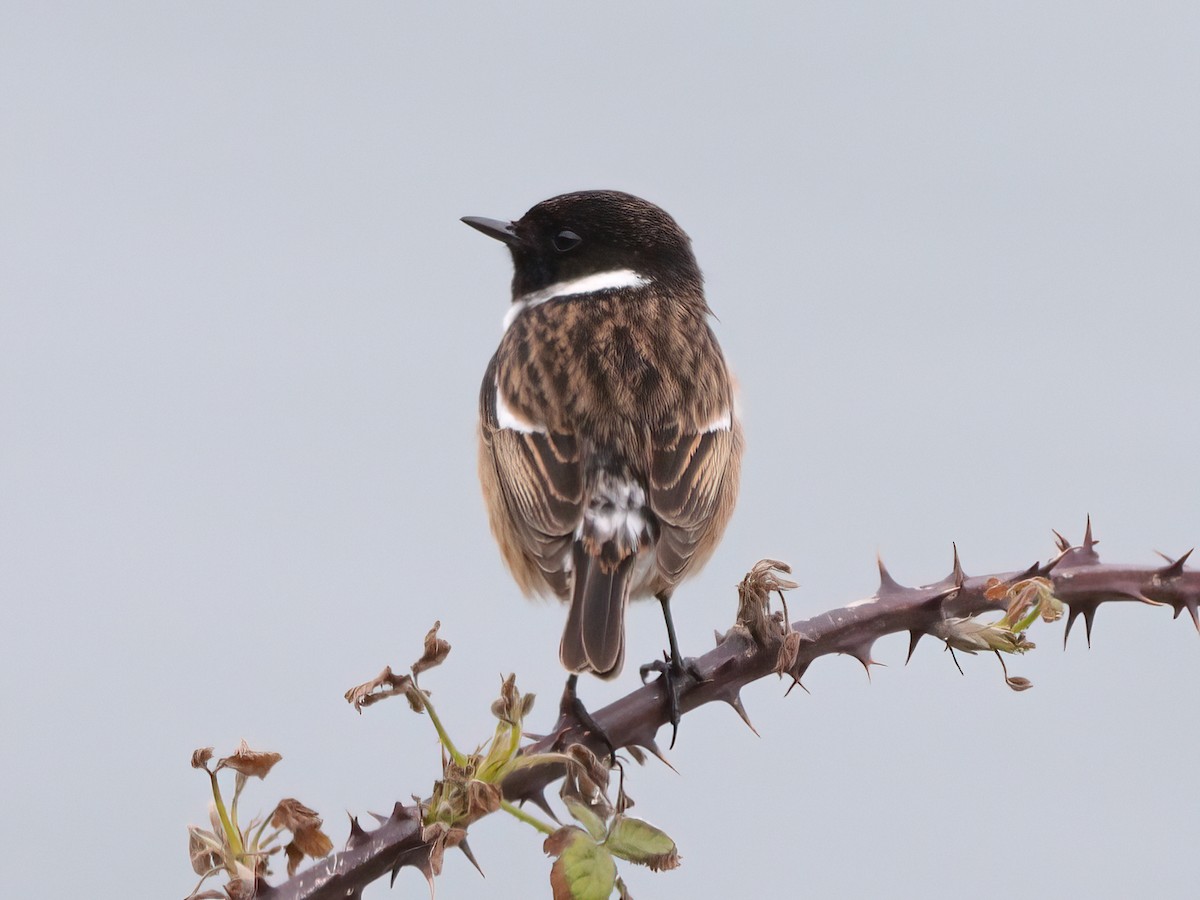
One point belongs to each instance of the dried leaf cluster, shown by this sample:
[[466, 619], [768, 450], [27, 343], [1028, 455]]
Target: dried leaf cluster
[[243, 852]]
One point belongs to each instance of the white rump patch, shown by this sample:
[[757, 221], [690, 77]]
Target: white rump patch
[[506, 418], [616, 511], [588, 284]]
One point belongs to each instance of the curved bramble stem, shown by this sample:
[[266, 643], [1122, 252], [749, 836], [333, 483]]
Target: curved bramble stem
[[513, 810], [231, 833], [763, 643], [455, 754]]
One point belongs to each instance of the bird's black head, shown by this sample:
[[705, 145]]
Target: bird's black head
[[585, 233]]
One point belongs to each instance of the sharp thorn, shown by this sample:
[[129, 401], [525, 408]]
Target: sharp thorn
[[1050, 564], [913, 637], [797, 671], [886, 581], [1030, 572], [358, 834], [738, 708], [1175, 566], [652, 746], [1089, 616], [1072, 615], [1063, 544], [1195, 614], [863, 655], [956, 574], [796, 682], [1088, 541], [867, 662], [539, 800], [462, 845]]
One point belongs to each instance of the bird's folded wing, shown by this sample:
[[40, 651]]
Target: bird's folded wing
[[538, 476], [693, 486]]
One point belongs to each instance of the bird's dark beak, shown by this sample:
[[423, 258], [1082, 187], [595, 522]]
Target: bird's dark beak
[[494, 228]]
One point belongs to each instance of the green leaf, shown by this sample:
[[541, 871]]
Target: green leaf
[[584, 869], [586, 817], [640, 842]]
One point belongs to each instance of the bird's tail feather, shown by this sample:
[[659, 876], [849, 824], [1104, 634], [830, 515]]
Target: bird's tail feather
[[594, 637]]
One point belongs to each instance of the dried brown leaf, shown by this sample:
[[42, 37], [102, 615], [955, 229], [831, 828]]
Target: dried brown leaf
[[995, 589], [294, 816], [439, 836], [508, 706], [205, 850], [305, 825], [307, 842], [789, 649], [482, 798], [249, 762], [586, 780], [754, 594], [386, 684], [636, 753], [201, 757], [436, 651], [295, 856], [763, 576], [243, 886]]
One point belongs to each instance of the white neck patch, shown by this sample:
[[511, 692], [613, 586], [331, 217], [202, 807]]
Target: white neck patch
[[506, 418], [588, 284]]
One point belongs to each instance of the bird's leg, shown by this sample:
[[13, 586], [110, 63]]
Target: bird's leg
[[572, 713], [677, 674]]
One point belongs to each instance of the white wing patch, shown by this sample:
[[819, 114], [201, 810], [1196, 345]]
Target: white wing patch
[[588, 284], [506, 418], [722, 422]]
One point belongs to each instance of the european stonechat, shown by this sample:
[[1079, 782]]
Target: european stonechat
[[609, 444]]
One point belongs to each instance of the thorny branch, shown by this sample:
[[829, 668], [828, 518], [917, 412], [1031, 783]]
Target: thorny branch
[[763, 643]]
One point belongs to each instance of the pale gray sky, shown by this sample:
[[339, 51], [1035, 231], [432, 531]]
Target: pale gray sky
[[953, 252]]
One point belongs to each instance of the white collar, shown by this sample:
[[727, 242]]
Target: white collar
[[588, 284]]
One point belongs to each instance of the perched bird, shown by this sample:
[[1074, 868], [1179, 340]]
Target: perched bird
[[609, 445]]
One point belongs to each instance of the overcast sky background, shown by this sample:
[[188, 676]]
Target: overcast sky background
[[953, 252]]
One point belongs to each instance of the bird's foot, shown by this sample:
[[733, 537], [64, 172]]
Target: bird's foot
[[677, 675], [573, 716]]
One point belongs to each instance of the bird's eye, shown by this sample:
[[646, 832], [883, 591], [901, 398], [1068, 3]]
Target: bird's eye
[[566, 240]]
